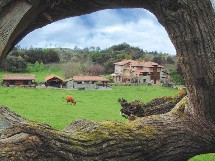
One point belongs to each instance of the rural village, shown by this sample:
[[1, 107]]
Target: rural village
[[125, 72]]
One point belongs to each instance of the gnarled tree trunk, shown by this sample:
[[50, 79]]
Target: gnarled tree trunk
[[187, 130]]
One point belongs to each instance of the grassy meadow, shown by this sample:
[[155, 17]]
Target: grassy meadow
[[204, 157], [47, 105], [41, 72]]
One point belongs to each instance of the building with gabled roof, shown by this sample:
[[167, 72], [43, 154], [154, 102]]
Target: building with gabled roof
[[90, 78], [86, 82], [24, 80], [53, 81], [131, 71]]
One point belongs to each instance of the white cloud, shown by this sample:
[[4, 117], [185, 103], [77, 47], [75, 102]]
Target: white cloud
[[104, 29], [112, 29]]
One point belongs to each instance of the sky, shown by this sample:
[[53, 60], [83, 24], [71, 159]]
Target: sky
[[137, 27]]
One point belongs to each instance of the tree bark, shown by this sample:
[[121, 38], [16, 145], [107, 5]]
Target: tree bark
[[191, 26], [187, 130]]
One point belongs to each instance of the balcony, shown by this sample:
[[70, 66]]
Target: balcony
[[155, 75]]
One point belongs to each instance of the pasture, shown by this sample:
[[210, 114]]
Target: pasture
[[48, 105], [41, 72]]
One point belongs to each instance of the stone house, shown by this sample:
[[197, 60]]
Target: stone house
[[86, 82], [122, 71], [131, 71]]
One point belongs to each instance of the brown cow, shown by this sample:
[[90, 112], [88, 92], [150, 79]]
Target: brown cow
[[70, 99]]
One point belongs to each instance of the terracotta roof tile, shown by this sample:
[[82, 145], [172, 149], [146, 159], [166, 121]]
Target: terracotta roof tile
[[145, 64], [138, 63], [18, 77], [123, 62], [53, 76], [89, 78]]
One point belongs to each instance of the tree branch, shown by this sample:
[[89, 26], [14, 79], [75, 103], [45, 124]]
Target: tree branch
[[162, 105]]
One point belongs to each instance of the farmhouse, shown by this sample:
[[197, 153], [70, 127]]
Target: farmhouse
[[86, 82], [54, 81], [131, 71], [22, 80]]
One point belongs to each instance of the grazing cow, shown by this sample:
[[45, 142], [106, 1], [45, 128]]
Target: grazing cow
[[70, 99]]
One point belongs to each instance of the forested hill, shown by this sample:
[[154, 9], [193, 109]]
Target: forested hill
[[91, 60], [113, 54]]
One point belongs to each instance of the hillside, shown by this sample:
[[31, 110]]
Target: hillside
[[87, 61]]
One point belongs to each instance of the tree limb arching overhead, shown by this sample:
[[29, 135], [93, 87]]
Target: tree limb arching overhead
[[187, 130]]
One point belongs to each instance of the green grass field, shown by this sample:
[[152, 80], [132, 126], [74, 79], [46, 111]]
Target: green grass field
[[41, 74], [204, 157], [48, 106]]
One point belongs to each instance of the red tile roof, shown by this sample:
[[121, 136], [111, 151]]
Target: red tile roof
[[18, 77], [89, 78], [138, 63], [145, 64], [53, 76]]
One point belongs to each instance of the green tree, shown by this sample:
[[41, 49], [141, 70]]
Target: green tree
[[109, 66], [37, 67], [170, 60], [46, 56], [14, 64]]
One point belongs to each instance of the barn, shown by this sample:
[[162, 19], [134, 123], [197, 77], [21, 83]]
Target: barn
[[22, 80], [86, 82], [53, 81]]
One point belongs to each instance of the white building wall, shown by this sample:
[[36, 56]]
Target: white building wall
[[85, 85]]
